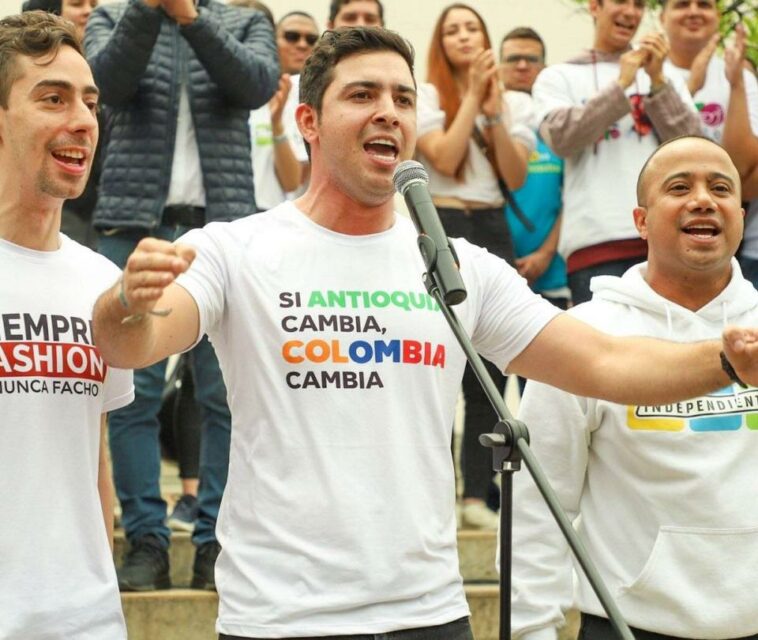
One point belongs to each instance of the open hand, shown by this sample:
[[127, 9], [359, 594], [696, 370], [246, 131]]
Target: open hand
[[480, 72], [629, 63], [734, 58], [656, 48], [277, 102], [699, 66]]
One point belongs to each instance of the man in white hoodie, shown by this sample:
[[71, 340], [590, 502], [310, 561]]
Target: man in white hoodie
[[666, 493]]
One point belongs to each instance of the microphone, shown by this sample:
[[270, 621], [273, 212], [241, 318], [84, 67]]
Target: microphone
[[411, 180]]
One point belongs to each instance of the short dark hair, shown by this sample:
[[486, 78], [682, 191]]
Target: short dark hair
[[300, 14], [51, 6], [641, 182], [523, 33], [336, 5], [333, 46], [34, 34]]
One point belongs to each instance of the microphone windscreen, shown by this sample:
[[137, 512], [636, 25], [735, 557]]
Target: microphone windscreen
[[408, 172]]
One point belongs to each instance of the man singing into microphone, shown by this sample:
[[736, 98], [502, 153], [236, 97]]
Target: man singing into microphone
[[338, 516]]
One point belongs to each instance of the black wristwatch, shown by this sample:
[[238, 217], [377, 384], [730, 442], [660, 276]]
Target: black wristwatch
[[729, 370]]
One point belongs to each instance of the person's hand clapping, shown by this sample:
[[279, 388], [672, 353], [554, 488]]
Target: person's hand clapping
[[279, 99], [629, 63], [480, 72], [656, 48], [182, 11]]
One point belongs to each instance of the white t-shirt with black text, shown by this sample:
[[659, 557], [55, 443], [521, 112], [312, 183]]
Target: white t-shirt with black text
[[57, 579], [339, 512]]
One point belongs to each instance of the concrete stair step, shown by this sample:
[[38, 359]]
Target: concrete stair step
[[476, 552], [185, 614]]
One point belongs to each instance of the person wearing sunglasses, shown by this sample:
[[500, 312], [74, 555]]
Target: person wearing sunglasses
[[280, 162]]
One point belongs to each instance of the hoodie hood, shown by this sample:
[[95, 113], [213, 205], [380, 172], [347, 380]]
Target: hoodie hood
[[738, 298]]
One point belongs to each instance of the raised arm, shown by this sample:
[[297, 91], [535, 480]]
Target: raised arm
[[573, 356], [672, 112], [569, 128], [130, 324], [739, 138], [511, 156], [446, 148], [246, 71], [119, 44], [290, 172]]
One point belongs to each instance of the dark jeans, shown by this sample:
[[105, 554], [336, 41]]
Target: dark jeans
[[749, 268], [597, 628], [134, 429], [479, 418], [579, 281], [455, 630], [486, 228]]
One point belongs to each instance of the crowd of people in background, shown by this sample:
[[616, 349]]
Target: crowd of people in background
[[538, 164]]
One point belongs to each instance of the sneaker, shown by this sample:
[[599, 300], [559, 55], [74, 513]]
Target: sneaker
[[145, 566], [183, 516], [477, 515], [203, 571]]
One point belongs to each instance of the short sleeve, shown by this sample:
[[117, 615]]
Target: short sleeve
[[551, 91], [430, 117], [207, 277], [118, 389], [521, 114], [509, 315]]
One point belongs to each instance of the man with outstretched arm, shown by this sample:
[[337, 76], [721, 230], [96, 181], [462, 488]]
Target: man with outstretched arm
[[342, 373]]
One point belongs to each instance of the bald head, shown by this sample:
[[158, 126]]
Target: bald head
[[660, 160]]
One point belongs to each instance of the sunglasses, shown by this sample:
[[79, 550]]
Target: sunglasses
[[293, 37], [516, 58]]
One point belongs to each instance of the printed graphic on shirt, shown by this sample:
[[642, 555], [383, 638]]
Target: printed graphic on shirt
[[541, 161], [50, 354], [349, 361], [263, 135], [722, 410], [641, 123], [712, 115]]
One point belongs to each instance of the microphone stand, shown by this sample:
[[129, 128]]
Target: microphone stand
[[510, 445]]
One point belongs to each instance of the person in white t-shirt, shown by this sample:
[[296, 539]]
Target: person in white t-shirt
[[57, 579], [339, 512], [605, 111], [692, 27], [280, 162]]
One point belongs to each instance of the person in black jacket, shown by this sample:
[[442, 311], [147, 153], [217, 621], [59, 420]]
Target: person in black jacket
[[179, 80]]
